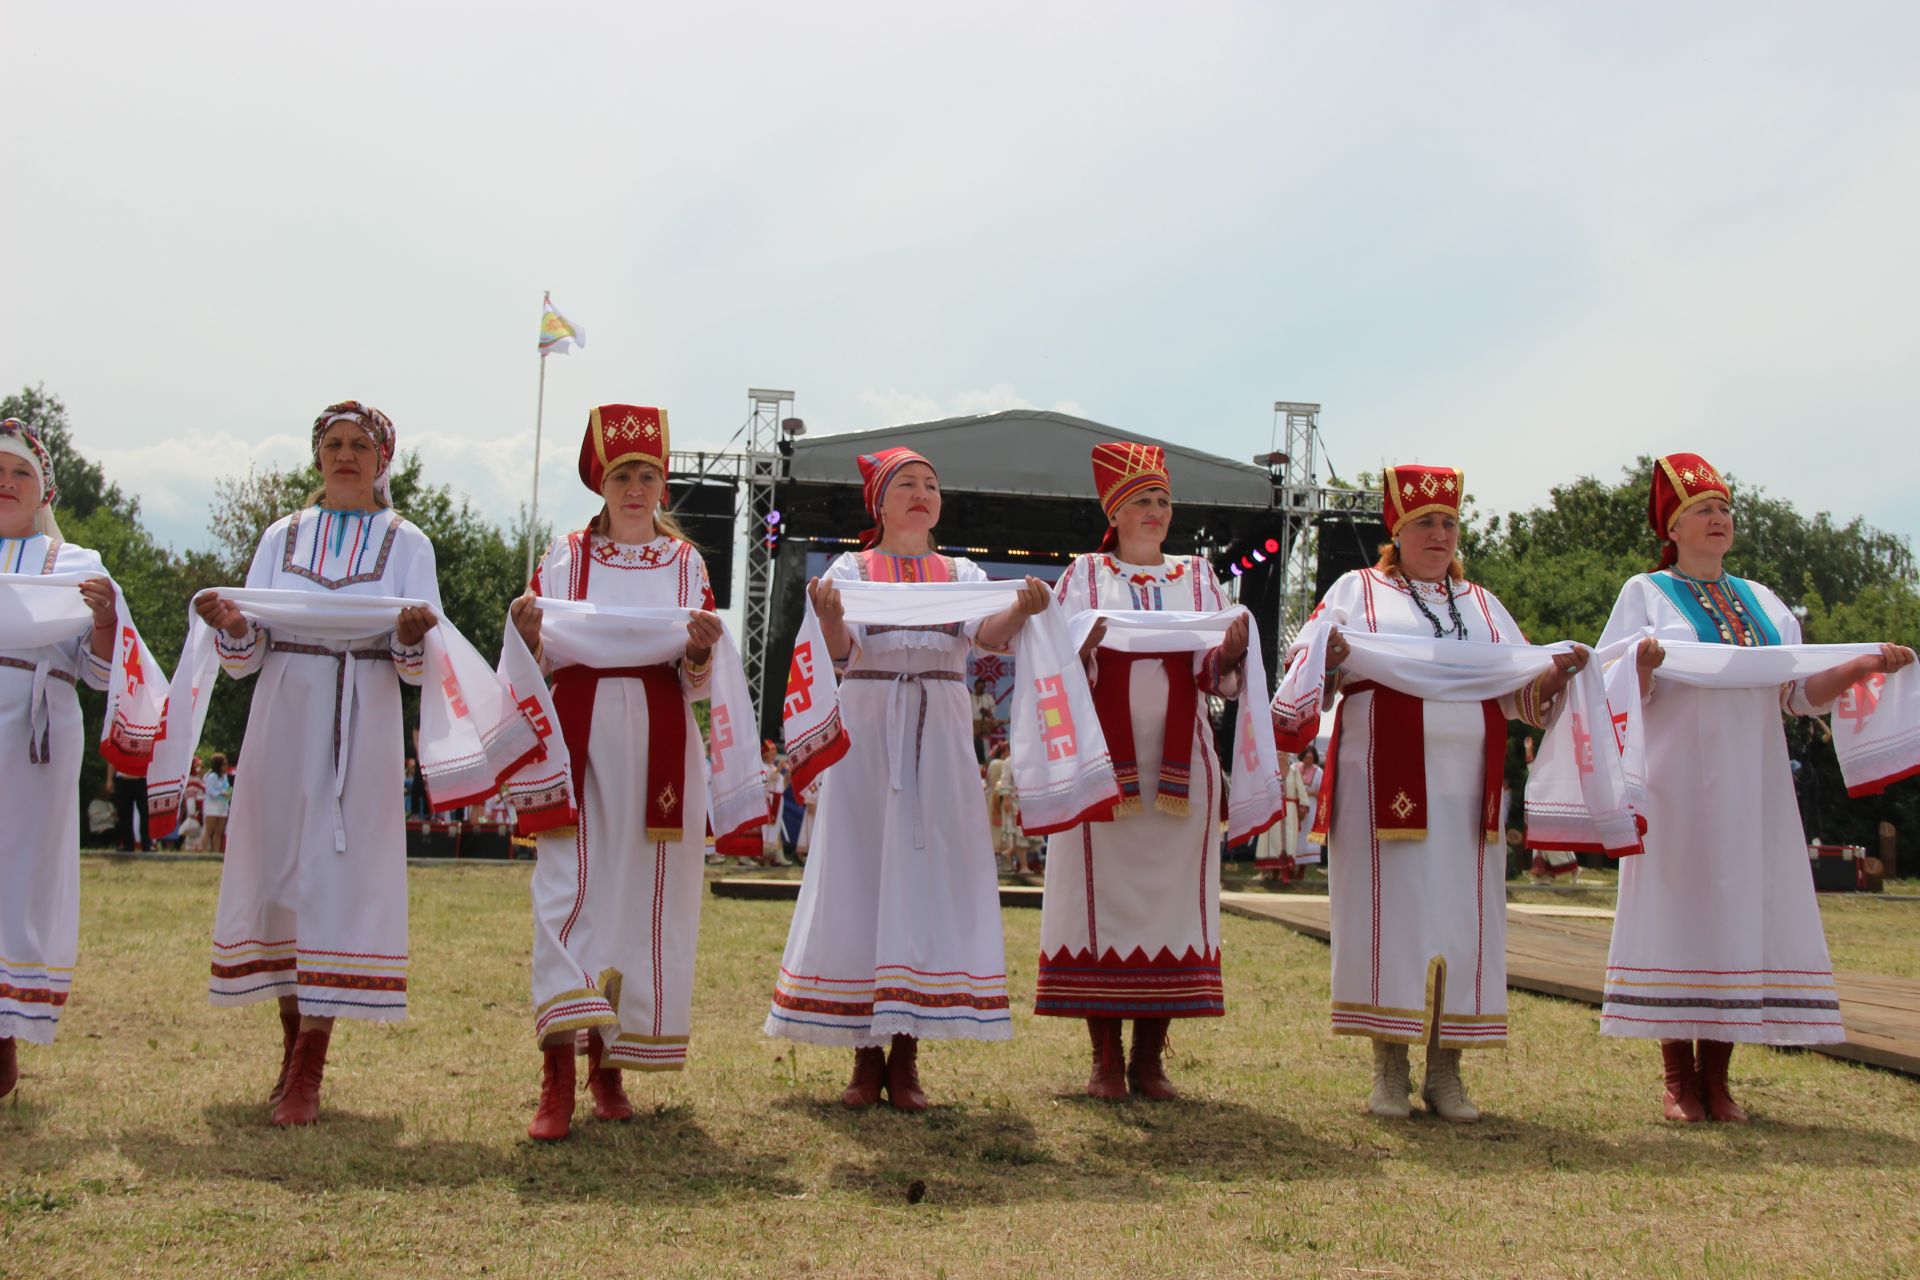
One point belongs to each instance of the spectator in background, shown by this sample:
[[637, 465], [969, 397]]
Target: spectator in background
[[101, 818], [986, 719], [193, 809], [130, 809], [217, 787]]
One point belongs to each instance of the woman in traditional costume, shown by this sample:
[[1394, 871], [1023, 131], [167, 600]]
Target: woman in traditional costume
[[1416, 865], [616, 898], [1716, 936], [1303, 804], [1130, 924], [896, 936], [40, 860], [313, 891]]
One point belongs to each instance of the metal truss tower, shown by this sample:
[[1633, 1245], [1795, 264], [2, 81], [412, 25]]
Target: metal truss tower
[[1303, 504], [762, 468]]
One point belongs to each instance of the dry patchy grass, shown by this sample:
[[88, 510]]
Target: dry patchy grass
[[139, 1143]]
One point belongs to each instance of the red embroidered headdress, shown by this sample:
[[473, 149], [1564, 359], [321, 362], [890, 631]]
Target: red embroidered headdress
[[877, 471], [618, 433], [1121, 469], [1681, 481], [1413, 491]]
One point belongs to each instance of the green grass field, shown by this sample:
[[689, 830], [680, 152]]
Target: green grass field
[[138, 1145]]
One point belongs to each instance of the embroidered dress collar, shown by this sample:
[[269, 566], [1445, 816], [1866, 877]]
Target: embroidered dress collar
[[656, 554], [1170, 569]]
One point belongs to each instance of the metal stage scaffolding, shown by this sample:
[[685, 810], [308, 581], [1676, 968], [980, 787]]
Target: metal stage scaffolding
[[1017, 495]]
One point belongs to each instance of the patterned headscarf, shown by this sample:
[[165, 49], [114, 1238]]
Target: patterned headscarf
[[379, 429], [877, 471], [17, 438]]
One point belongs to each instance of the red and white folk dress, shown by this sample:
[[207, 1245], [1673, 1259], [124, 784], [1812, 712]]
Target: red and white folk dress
[[302, 911], [1130, 923], [897, 931], [1418, 900], [40, 795], [616, 912]]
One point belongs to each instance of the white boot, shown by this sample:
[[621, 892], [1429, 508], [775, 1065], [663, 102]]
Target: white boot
[[1442, 1091], [1390, 1082]]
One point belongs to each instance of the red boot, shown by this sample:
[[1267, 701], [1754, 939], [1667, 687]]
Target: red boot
[[903, 1075], [1145, 1073], [9, 1066], [604, 1083], [289, 1031], [1109, 1078], [1714, 1057], [300, 1103], [869, 1073], [1682, 1099], [554, 1117]]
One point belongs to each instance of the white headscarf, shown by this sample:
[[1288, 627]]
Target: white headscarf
[[17, 438]]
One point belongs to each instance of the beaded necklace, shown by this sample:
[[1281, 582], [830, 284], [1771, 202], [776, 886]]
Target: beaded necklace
[[1453, 609], [1724, 608]]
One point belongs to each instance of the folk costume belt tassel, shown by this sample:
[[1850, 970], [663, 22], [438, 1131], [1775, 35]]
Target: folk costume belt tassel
[[1399, 764], [574, 690], [918, 726], [40, 714], [1112, 702], [343, 686]]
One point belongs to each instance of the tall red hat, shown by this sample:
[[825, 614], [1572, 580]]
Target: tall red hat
[[1681, 481], [877, 471], [1121, 469], [618, 433], [1413, 491]]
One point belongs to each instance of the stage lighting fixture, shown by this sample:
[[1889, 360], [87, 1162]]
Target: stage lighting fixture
[[1273, 547]]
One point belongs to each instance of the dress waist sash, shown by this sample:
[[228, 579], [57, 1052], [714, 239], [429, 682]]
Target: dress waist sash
[[1113, 703], [574, 691], [897, 757], [39, 717], [1398, 763], [343, 687]]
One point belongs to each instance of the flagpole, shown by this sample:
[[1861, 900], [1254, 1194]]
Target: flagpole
[[533, 509]]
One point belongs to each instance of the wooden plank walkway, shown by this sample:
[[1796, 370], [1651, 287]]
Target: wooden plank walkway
[[1562, 951]]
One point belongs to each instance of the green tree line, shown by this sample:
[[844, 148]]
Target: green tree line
[[1557, 566]]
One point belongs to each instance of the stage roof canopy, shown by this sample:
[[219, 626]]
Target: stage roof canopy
[[1027, 453]]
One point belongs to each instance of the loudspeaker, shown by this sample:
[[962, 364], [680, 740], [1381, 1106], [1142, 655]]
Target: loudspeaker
[[706, 512], [1344, 545]]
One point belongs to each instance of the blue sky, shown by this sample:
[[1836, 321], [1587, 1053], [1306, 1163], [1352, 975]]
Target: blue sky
[[1529, 240]]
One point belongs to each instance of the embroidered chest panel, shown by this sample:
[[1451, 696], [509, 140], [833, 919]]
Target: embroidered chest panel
[[1723, 610], [16, 555], [340, 552]]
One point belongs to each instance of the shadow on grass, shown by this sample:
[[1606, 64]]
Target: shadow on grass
[[975, 1155], [663, 1156], [993, 1155], [1499, 1144], [1203, 1139]]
